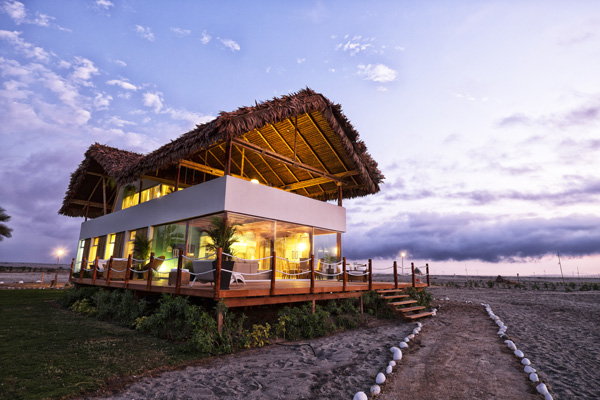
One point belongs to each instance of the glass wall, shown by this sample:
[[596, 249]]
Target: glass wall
[[154, 192], [110, 246], [293, 243], [169, 241]]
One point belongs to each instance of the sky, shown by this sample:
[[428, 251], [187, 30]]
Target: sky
[[483, 115]]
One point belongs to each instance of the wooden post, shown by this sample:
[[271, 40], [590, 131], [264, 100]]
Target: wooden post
[[95, 271], [427, 269], [218, 274], [370, 275], [177, 177], [273, 268], [219, 321], [140, 194], [312, 273], [340, 193], [81, 269], [179, 272], [362, 311], [72, 268], [395, 274], [104, 193], [109, 270], [228, 145], [314, 306], [344, 277], [128, 271], [150, 270], [412, 268]]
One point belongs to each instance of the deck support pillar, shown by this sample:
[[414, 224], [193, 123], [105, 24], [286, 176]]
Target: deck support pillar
[[314, 306], [273, 269], [412, 268], [427, 269], [82, 268], [312, 274], [95, 271], [344, 277], [178, 279], [395, 274], [370, 275], [219, 321], [128, 270], [109, 270], [72, 268], [218, 275], [362, 311], [150, 271]]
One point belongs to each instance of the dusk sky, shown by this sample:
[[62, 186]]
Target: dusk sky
[[483, 115]]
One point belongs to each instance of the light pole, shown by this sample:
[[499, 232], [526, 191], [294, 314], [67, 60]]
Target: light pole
[[58, 254], [403, 254]]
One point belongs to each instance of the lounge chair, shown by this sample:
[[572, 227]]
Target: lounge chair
[[203, 271], [157, 263], [119, 269]]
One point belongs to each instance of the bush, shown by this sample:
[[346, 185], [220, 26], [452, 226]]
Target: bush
[[173, 320], [259, 336], [300, 322], [490, 284], [73, 295], [376, 306], [422, 296]]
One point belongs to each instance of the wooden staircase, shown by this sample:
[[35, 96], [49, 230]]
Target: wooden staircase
[[402, 305]]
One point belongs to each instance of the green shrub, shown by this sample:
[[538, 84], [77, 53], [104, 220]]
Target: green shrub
[[259, 335], [300, 322], [422, 296], [376, 306], [84, 306], [173, 319], [72, 295], [490, 284]]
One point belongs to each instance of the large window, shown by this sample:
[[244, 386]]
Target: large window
[[147, 194], [169, 241], [110, 246]]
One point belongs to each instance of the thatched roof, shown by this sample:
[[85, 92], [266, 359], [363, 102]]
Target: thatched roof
[[85, 187], [302, 143], [322, 136]]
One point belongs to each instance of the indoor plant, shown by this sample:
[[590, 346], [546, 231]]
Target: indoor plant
[[223, 235]]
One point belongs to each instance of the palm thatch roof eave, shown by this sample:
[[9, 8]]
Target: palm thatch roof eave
[[110, 159]]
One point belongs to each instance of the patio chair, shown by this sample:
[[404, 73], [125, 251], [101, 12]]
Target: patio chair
[[157, 263], [119, 269], [203, 271]]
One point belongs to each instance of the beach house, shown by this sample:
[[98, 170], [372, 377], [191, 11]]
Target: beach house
[[279, 169]]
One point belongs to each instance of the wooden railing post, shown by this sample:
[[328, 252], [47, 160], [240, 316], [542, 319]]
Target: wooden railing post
[[345, 278], [370, 275], [273, 268], [312, 273], [395, 274], [109, 270], [72, 268], [95, 271], [82, 268], [412, 267], [128, 270], [218, 273], [427, 269], [150, 270], [179, 272]]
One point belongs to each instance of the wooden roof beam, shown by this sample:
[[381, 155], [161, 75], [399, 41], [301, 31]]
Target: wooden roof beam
[[285, 160], [251, 164], [86, 203], [316, 181], [308, 145], [326, 140]]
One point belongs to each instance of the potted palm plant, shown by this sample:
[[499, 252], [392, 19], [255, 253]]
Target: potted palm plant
[[142, 246], [223, 235]]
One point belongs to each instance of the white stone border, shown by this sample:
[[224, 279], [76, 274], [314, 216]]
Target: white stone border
[[528, 369], [396, 357]]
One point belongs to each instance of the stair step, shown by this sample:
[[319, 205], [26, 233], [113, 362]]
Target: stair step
[[383, 291], [409, 309], [421, 315], [401, 303], [397, 296]]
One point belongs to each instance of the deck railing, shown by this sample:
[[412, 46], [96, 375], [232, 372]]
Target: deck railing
[[345, 273]]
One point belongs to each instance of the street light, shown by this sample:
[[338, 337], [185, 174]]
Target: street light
[[59, 253], [403, 254]]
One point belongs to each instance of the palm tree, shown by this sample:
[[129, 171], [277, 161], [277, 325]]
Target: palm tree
[[222, 235], [5, 231]]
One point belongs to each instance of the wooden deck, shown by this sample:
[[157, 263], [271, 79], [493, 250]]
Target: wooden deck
[[254, 292]]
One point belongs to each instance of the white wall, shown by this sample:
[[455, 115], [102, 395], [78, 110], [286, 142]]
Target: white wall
[[222, 194]]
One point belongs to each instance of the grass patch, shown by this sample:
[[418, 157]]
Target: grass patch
[[51, 352]]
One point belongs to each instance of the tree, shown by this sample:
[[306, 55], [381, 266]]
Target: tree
[[222, 235], [5, 231]]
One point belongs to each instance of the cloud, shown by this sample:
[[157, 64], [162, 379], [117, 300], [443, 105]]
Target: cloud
[[120, 63], [181, 32], [122, 84], [144, 32], [104, 4], [356, 44], [16, 10], [377, 73], [83, 71], [583, 114], [102, 101], [153, 100], [300, 60], [230, 44], [118, 122], [466, 236], [23, 47], [191, 117], [205, 38]]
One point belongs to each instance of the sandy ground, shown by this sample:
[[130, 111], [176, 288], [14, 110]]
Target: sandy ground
[[457, 356]]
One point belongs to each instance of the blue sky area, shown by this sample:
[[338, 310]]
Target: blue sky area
[[483, 115]]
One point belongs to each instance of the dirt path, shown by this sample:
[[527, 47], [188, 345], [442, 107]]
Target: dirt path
[[458, 356]]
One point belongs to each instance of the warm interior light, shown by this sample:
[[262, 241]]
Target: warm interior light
[[301, 247], [254, 181]]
